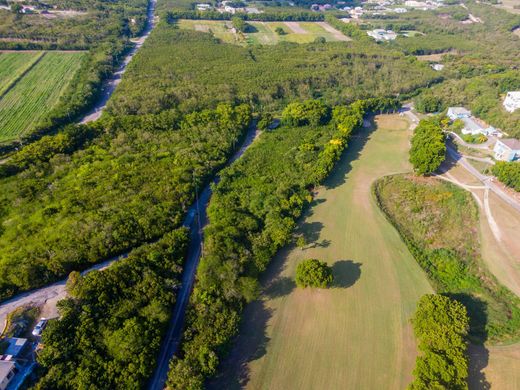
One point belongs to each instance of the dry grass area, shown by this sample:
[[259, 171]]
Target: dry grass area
[[435, 57], [357, 334]]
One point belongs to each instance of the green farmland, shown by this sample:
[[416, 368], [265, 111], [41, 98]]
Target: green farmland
[[31, 84], [264, 33]]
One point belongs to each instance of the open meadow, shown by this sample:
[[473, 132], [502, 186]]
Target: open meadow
[[31, 87], [356, 335], [265, 33]]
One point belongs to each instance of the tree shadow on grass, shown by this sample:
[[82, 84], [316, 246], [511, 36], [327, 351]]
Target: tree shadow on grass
[[250, 345], [280, 287], [310, 231], [346, 273], [356, 144], [477, 352]]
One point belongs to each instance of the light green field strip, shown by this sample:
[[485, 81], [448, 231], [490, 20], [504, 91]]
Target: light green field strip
[[14, 65], [356, 335], [36, 93]]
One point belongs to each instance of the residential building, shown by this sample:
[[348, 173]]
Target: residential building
[[203, 7], [458, 113], [507, 149], [8, 371], [16, 346], [512, 101], [382, 35]]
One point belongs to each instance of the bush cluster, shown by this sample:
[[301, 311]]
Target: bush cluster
[[313, 273]]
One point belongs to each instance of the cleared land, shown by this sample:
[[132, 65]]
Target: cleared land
[[30, 97], [264, 33], [356, 335]]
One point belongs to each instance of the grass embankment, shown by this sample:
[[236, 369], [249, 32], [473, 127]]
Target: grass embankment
[[439, 223], [34, 94], [357, 334]]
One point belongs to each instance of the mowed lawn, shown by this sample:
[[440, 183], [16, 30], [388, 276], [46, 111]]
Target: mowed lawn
[[264, 33], [356, 335], [33, 95]]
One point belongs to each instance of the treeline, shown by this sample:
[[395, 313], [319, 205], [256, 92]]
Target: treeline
[[508, 173], [300, 16], [111, 325], [441, 326], [126, 186], [252, 214], [436, 221], [267, 78]]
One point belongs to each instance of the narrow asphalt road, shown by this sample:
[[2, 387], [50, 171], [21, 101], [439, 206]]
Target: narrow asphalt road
[[196, 220]]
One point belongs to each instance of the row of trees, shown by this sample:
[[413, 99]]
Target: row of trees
[[251, 215], [300, 16], [508, 173], [441, 327], [67, 209], [111, 326]]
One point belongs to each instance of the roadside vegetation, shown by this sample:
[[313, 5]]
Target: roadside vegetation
[[438, 221], [441, 326], [130, 185], [110, 330], [508, 173], [251, 216]]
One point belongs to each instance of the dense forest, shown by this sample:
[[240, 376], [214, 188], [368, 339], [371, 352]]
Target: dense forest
[[251, 215], [130, 185], [192, 70], [111, 326]]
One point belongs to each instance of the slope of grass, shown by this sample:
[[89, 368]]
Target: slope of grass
[[27, 102], [355, 335], [439, 222]]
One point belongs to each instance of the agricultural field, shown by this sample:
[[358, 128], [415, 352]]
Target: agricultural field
[[264, 33], [357, 334], [35, 85]]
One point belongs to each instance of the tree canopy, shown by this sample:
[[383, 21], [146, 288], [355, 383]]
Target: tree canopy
[[428, 149], [313, 273]]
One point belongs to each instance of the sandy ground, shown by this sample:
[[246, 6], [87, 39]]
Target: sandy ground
[[337, 34], [296, 28]]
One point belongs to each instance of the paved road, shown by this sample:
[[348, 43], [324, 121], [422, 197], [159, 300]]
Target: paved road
[[195, 220], [111, 83]]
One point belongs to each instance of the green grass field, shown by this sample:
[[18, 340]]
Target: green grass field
[[33, 95], [264, 33], [356, 335], [13, 65]]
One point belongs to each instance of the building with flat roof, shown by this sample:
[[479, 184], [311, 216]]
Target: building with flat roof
[[458, 113], [507, 149], [512, 101], [8, 371], [16, 346]]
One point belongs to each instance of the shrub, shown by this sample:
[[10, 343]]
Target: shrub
[[313, 273], [441, 326], [508, 173]]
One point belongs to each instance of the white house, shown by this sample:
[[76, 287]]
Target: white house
[[382, 35], [512, 101], [458, 113], [7, 372], [203, 7], [507, 149]]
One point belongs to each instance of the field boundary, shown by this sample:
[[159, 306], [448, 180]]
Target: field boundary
[[22, 74]]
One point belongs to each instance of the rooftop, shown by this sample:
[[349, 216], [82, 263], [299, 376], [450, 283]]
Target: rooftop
[[470, 124], [5, 368], [511, 143], [460, 110], [15, 346]]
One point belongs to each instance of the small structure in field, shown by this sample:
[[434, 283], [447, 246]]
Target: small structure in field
[[382, 35], [512, 101], [507, 149]]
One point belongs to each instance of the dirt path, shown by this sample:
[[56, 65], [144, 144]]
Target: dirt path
[[336, 33], [296, 28], [356, 335]]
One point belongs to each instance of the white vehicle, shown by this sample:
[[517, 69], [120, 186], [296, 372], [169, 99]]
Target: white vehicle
[[40, 326]]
